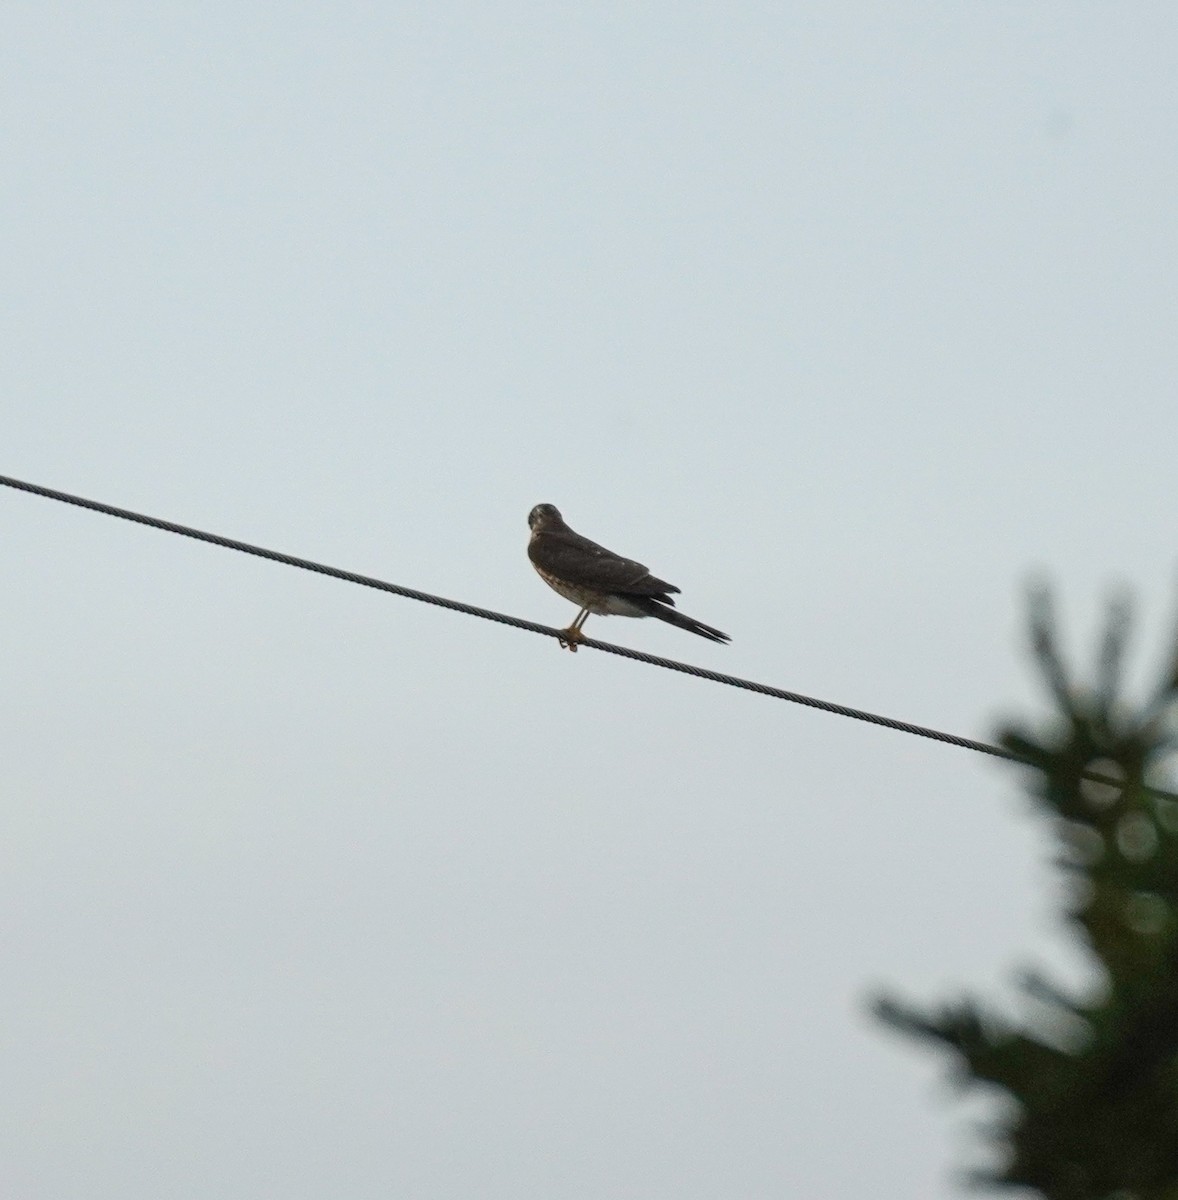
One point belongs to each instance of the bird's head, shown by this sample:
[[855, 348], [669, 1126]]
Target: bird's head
[[544, 515]]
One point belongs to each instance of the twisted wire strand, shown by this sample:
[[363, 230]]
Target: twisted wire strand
[[473, 610]]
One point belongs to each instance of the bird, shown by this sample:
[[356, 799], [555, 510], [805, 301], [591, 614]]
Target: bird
[[600, 581]]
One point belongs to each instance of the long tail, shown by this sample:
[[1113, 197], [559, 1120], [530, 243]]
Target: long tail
[[673, 617]]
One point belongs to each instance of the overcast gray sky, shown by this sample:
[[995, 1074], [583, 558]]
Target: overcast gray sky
[[845, 323]]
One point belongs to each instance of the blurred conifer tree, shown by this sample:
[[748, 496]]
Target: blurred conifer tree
[[1093, 1078]]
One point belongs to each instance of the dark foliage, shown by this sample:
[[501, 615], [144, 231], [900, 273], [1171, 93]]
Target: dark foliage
[[1093, 1078]]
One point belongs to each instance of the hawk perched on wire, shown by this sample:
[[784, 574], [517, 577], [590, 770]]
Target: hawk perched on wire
[[598, 580]]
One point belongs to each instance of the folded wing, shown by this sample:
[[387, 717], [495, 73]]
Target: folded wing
[[576, 559]]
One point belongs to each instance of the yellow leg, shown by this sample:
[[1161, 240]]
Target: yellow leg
[[573, 634]]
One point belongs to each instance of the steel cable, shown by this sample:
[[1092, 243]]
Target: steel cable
[[487, 614]]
